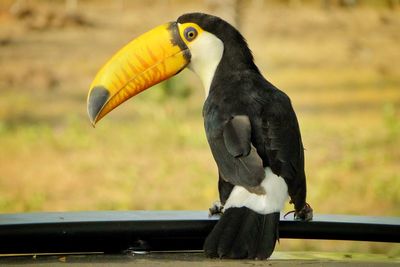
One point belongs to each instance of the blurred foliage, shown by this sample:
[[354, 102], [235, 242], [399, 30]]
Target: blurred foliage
[[339, 64], [392, 122]]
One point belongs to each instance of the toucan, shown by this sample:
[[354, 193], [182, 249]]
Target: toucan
[[251, 126]]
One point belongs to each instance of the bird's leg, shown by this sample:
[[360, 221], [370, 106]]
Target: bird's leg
[[216, 208]]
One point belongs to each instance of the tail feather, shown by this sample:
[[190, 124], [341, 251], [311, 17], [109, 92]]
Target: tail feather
[[266, 244], [212, 241], [240, 248], [243, 233], [229, 233]]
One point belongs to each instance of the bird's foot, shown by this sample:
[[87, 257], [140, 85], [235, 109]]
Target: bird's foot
[[216, 208], [305, 214]]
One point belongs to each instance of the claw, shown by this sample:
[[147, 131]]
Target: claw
[[305, 214], [216, 208], [287, 213]]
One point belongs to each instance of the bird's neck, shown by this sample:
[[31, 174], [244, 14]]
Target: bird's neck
[[214, 58], [204, 62], [232, 66]]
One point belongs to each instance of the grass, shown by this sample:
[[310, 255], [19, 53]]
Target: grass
[[341, 69]]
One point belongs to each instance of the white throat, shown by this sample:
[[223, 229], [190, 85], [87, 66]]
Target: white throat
[[206, 53]]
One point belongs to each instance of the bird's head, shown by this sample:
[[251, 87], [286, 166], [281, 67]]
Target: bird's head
[[195, 40]]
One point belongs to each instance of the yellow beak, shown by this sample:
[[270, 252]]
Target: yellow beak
[[147, 60]]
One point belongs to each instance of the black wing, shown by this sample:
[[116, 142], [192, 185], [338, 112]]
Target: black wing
[[237, 136], [237, 159], [284, 148]]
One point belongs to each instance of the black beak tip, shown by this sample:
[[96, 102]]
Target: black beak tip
[[97, 98]]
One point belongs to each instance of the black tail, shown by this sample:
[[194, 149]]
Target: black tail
[[243, 233]]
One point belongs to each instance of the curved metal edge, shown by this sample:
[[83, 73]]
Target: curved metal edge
[[117, 231]]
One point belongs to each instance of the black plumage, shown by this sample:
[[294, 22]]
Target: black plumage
[[250, 125], [243, 233]]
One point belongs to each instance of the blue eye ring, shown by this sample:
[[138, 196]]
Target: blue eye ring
[[190, 33]]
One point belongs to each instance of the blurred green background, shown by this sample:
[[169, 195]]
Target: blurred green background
[[339, 61]]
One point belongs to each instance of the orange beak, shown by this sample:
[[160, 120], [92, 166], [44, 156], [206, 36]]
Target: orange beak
[[147, 60]]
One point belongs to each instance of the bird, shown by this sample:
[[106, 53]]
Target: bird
[[251, 126]]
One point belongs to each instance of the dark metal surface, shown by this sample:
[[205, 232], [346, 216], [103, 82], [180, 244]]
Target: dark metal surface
[[184, 259], [116, 231]]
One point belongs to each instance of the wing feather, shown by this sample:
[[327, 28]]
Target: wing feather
[[284, 148], [237, 159]]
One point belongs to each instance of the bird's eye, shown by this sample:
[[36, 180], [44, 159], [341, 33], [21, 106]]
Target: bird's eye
[[190, 33]]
